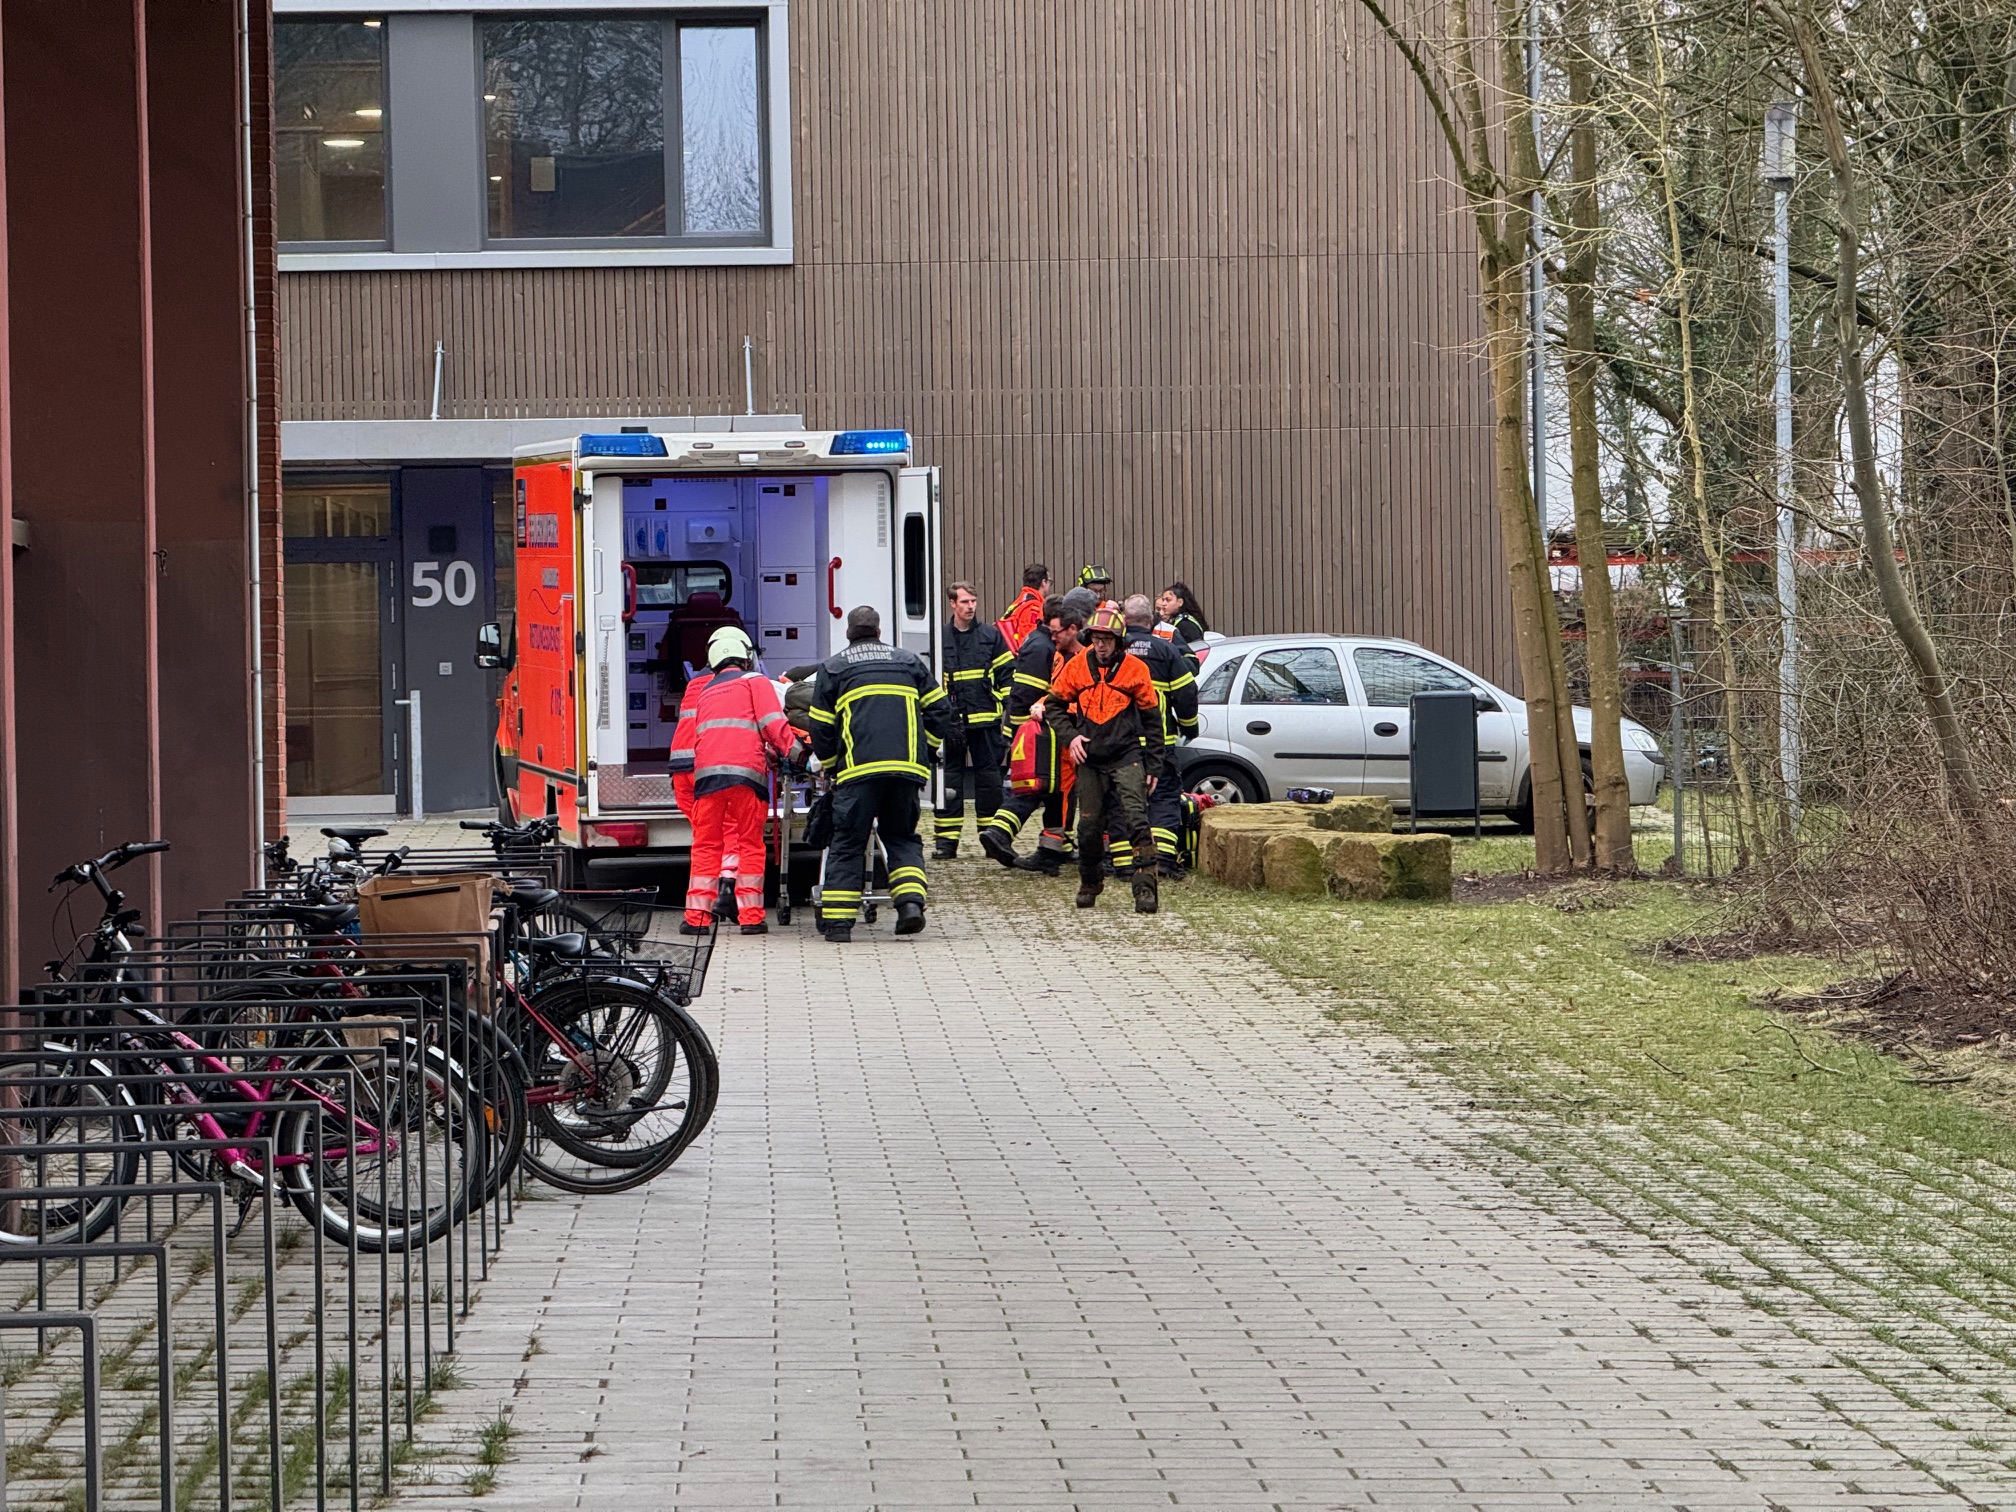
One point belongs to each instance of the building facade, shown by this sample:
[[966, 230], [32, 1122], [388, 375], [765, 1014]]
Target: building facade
[[139, 435], [1176, 286]]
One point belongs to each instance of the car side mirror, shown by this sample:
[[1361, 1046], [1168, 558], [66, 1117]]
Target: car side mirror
[[490, 647], [1486, 704]]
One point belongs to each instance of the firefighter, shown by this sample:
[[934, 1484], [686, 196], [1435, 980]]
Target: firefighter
[[1098, 579], [1176, 689], [736, 717], [1035, 667], [878, 719], [1103, 703], [1026, 615], [977, 665]]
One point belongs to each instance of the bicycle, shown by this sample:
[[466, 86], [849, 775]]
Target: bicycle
[[334, 1126]]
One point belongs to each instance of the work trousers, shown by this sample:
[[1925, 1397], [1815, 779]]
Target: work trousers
[[1165, 818], [1015, 811], [1115, 796], [983, 749], [888, 806], [727, 842]]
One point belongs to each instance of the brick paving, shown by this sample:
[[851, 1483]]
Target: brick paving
[[1101, 1217]]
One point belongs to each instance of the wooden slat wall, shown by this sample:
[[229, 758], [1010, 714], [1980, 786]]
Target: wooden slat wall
[[1176, 285]]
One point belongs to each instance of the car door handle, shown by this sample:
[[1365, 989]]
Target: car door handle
[[1258, 727], [1385, 727]]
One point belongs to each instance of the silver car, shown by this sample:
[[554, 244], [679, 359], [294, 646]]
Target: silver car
[[1283, 711]]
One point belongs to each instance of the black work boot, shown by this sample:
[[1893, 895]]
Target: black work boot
[[1147, 897], [1089, 887], [909, 917], [838, 933], [1049, 862], [762, 926], [945, 850], [997, 845]]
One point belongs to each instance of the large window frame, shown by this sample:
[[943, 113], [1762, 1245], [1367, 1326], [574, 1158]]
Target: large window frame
[[451, 229]]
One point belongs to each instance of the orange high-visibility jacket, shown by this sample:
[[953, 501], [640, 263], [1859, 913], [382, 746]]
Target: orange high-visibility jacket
[[684, 733], [1024, 615], [1106, 705], [734, 718]]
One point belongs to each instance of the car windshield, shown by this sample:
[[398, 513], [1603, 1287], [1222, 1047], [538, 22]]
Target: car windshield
[[1302, 675]]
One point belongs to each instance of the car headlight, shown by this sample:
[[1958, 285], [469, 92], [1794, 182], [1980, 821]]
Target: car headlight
[[1638, 738]]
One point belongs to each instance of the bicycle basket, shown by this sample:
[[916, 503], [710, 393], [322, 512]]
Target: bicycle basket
[[624, 919], [666, 960]]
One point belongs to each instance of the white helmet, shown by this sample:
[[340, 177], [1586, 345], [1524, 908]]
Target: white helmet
[[730, 643]]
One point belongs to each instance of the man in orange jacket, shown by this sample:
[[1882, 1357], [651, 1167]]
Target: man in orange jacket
[[736, 718], [1026, 613], [1104, 703]]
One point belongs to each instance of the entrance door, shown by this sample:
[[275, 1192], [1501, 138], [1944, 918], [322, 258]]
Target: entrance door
[[446, 529], [343, 741]]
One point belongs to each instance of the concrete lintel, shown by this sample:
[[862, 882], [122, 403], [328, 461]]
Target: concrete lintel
[[308, 443]]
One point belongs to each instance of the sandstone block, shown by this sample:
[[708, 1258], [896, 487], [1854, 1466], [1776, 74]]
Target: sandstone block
[[1370, 815], [1296, 863], [1391, 866]]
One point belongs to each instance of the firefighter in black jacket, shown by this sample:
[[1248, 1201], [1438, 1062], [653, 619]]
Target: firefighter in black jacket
[[1035, 665], [1175, 683], [977, 662], [877, 720]]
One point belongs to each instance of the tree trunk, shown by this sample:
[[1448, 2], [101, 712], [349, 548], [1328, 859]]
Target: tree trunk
[[1963, 789], [1599, 613]]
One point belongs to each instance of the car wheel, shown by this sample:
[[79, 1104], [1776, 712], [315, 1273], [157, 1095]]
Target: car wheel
[[1223, 782]]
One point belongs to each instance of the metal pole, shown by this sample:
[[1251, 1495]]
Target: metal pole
[[435, 412], [1536, 284], [416, 801], [1780, 124], [748, 376]]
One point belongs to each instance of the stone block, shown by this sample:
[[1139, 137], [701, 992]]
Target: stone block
[[1217, 826], [1391, 866], [1296, 863], [1366, 816]]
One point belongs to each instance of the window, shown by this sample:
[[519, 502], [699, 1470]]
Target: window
[[565, 135], [342, 510], [669, 585], [1393, 677], [1217, 685], [914, 572], [575, 117], [1304, 675], [329, 130]]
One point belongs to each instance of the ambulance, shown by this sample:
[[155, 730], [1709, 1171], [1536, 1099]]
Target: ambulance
[[632, 549]]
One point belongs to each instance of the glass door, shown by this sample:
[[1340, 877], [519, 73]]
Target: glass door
[[343, 740]]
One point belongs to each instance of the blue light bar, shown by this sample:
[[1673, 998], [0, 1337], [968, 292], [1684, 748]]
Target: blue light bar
[[874, 443], [627, 444]]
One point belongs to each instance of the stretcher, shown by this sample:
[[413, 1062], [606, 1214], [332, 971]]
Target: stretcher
[[793, 799]]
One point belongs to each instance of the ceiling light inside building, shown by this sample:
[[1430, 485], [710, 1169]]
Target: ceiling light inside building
[[341, 142], [374, 23], [370, 112]]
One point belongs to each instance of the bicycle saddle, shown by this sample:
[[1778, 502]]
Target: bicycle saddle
[[318, 918], [530, 897], [561, 947], [355, 834]]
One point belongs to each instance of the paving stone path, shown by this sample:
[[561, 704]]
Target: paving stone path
[[1102, 1217]]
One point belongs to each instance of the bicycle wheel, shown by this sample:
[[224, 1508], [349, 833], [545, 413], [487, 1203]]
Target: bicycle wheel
[[401, 1165], [85, 1110], [620, 1087]]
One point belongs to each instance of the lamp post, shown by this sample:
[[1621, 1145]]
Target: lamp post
[[1778, 168]]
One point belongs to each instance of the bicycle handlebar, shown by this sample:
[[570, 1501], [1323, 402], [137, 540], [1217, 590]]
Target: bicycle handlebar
[[112, 860]]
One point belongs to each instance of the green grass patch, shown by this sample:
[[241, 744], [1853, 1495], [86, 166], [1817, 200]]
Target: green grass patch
[[1812, 1175]]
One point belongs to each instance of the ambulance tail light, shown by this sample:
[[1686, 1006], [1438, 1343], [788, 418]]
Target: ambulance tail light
[[631, 834], [627, 444], [871, 443]]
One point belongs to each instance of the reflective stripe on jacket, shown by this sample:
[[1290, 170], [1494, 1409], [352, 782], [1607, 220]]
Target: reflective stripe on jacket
[[876, 712], [735, 718], [1175, 682], [976, 672], [686, 731]]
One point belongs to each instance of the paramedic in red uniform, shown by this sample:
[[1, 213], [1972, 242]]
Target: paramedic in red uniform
[[736, 719]]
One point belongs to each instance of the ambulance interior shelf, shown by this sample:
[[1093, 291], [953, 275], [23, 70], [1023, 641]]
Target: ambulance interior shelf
[[670, 610]]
